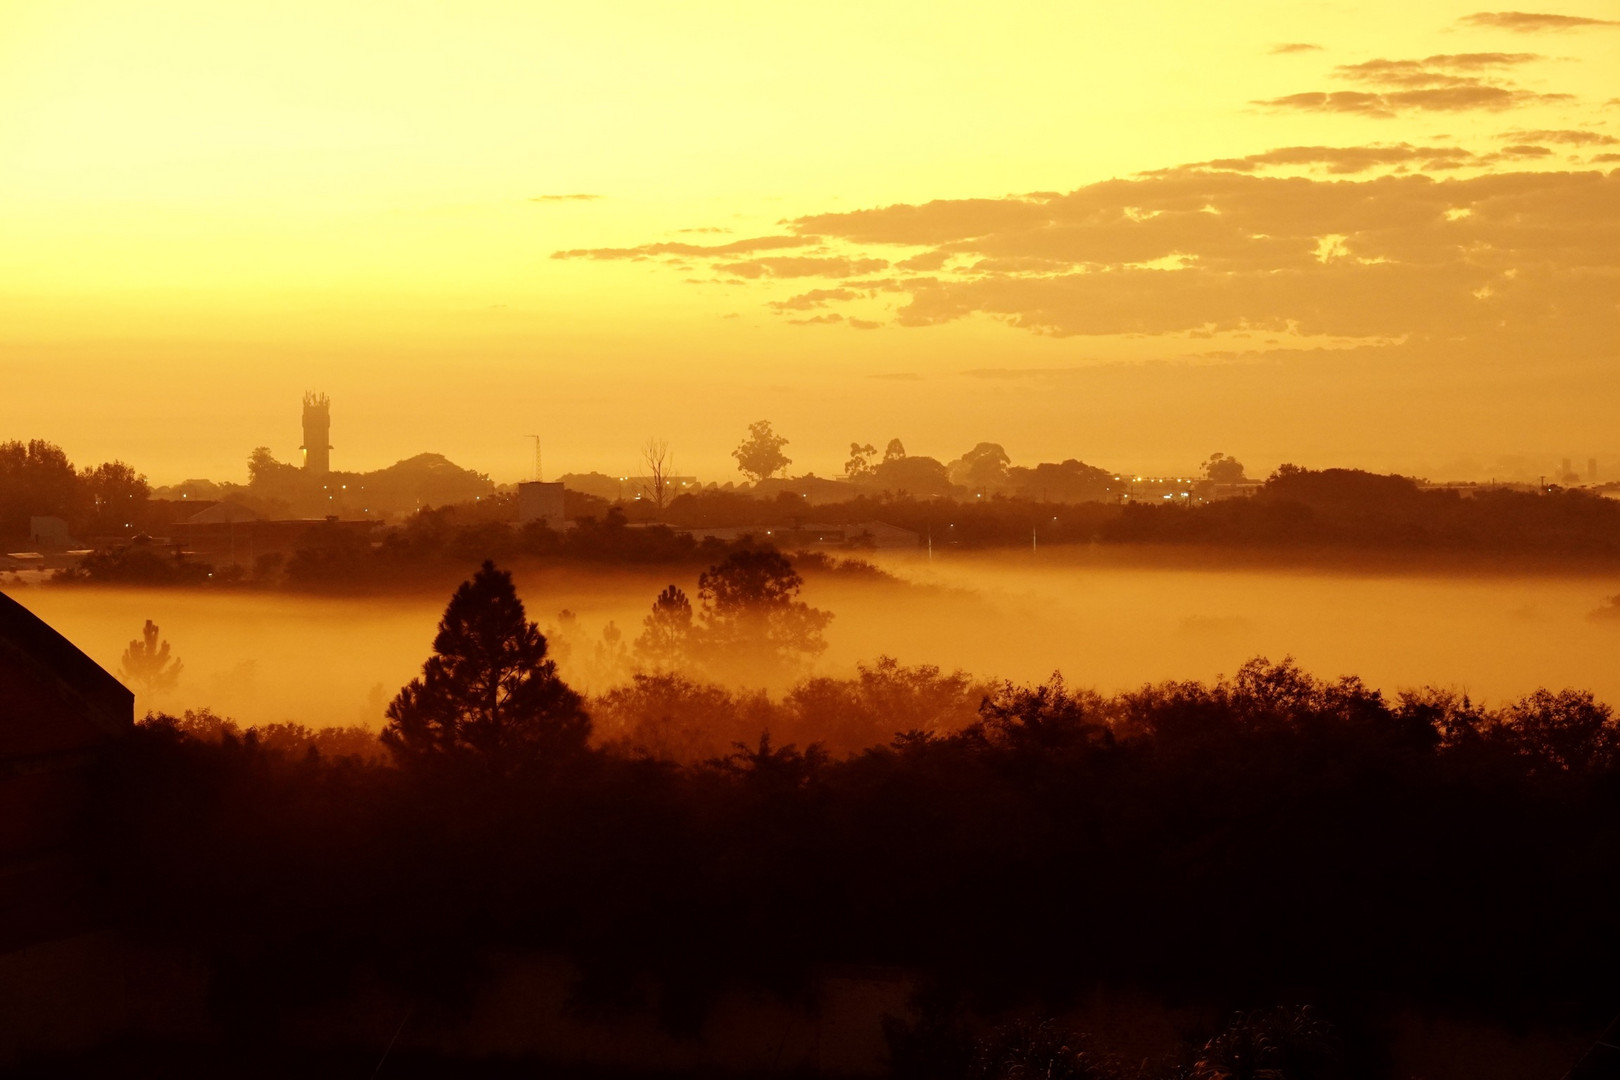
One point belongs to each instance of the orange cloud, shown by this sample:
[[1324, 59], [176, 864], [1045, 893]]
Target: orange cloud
[[835, 266], [1526, 22], [1294, 47], [1342, 101], [1455, 98], [1343, 160], [1444, 82], [736, 247], [1218, 248], [1381, 259], [1565, 137], [815, 298]]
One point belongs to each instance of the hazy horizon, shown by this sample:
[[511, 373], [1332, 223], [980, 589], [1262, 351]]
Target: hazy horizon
[[1106, 622], [1368, 236]]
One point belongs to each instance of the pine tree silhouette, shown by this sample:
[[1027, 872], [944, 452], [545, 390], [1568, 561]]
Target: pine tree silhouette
[[147, 667], [488, 692]]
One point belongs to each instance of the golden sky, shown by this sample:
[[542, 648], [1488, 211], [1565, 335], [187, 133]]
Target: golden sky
[[1384, 234]]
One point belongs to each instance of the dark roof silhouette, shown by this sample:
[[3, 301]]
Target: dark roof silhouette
[[223, 511], [53, 697]]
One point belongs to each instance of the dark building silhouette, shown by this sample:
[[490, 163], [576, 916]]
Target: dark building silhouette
[[317, 430], [58, 710], [538, 501]]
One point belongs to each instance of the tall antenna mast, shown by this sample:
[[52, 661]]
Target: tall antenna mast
[[536, 439]]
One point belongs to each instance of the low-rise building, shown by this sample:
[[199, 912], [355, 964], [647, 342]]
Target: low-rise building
[[59, 710]]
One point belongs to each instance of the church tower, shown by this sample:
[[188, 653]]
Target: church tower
[[317, 430]]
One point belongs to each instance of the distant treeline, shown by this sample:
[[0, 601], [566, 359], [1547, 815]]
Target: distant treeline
[[38, 480], [1294, 508], [432, 549], [1348, 507], [1295, 511], [1269, 837]]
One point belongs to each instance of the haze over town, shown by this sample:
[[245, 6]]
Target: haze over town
[[933, 541]]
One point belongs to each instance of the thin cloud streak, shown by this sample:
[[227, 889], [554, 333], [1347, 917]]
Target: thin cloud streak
[[1341, 160], [673, 247], [1527, 22], [1459, 98]]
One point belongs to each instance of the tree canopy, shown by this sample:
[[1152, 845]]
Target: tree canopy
[[488, 692], [37, 479], [760, 455], [147, 666], [752, 614]]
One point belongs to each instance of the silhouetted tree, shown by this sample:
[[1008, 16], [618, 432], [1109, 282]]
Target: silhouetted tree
[[608, 658], [488, 690], [760, 455], [1568, 731], [917, 476], [895, 451], [659, 463], [118, 498], [1272, 1044], [147, 666], [773, 770], [37, 479], [983, 468], [752, 613], [666, 632], [859, 465], [1070, 481], [263, 468], [1039, 1048], [138, 563], [1223, 469]]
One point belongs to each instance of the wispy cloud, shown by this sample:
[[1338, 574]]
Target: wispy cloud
[[672, 247], [1443, 82], [1480, 60], [1384, 258], [1286, 47], [834, 266], [564, 198], [1455, 98], [1342, 160], [1523, 151], [1431, 71], [1564, 137], [815, 298], [1528, 22]]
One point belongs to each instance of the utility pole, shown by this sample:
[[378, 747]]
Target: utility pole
[[536, 439]]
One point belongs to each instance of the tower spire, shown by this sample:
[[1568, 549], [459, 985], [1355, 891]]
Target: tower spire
[[317, 430]]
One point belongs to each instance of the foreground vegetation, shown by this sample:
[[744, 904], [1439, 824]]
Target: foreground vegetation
[[1267, 838]]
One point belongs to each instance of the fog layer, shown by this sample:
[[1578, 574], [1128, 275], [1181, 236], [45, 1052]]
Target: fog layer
[[266, 658]]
